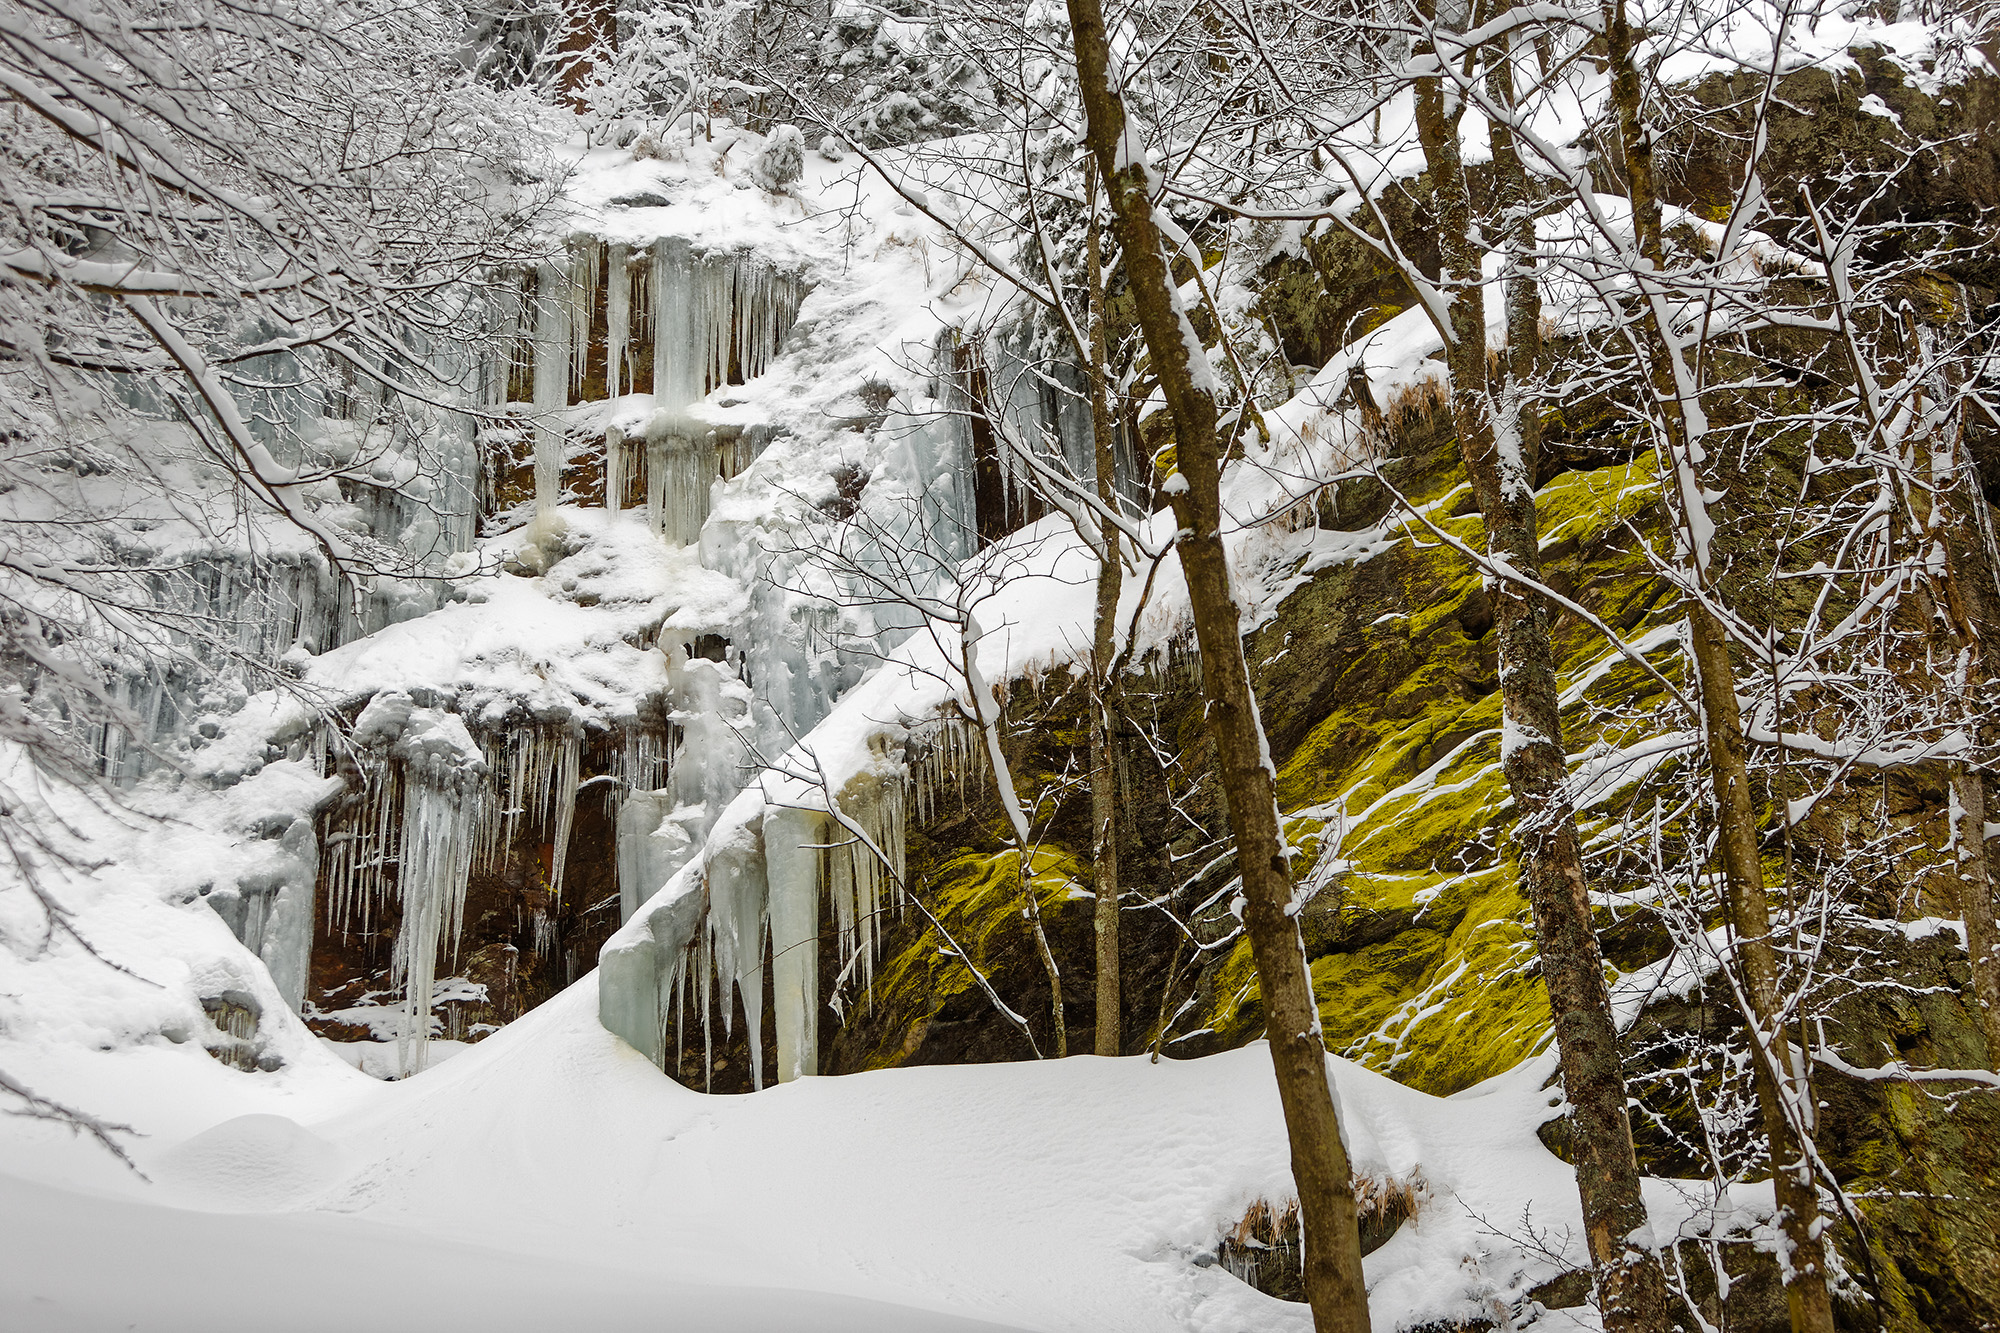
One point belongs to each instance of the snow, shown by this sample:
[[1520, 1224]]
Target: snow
[[1058, 1195], [553, 1166], [320, 1274], [551, 1174]]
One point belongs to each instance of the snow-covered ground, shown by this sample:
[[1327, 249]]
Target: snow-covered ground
[[552, 1174]]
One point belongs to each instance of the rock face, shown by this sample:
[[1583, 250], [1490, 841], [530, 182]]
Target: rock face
[[1922, 1159], [1377, 680]]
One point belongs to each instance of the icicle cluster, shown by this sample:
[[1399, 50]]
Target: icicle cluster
[[438, 806], [681, 471], [662, 823], [861, 888], [947, 760], [757, 892], [225, 611], [423, 784], [536, 774], [1034, 404], [720, 318], [712, 319], [1043, 406], [554, 320]]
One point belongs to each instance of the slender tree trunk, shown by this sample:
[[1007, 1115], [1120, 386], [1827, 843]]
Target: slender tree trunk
[[1975, 902], [1499, 437], [1320, 1166], [1806, 1292], [1103, 724], [986, 716], [1940, 479], [1032, 910], [1780, 1081]]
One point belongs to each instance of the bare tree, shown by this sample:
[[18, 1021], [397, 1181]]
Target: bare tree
[[246, 256], [1320, 1166]]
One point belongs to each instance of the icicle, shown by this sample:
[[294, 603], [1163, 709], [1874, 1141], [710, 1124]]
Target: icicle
[[717, 315], [680, 475], [552, 362], [792, 842], [636, 980], [431, 785], [614, 469], [617, 322], [737, 895], [676, 371], [646, 852], [561, 794], [584, 267]]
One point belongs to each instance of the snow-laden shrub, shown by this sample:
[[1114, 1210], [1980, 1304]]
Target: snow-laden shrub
[[899, 73], [781, 161]]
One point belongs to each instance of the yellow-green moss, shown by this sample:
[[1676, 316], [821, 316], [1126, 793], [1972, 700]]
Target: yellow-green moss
[[1411, 781], [977, 896]]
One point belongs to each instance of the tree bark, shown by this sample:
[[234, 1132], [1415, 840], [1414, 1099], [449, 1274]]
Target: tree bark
[[1498, 438], [1320, 1167], [1103, 724], [986, 715], [1806, 1294], [1963, 589], [1975, 902], [1780, 1081]]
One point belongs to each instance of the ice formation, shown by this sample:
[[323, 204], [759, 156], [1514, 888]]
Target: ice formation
[[719, 319], [1039, 405], [423, 777], [554, 318], [710, 318], [780, 863], [432, 797]]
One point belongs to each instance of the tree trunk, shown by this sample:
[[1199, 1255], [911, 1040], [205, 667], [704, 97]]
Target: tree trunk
[[1964, 579], [986, 715], [1032, 909], [1975, 902], [1777, 1077], [1779, 1080], [1320, 1167], [1499, 441], [1103, 727]]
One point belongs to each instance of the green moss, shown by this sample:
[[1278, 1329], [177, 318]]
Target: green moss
[[977, 896], [1425, 968]]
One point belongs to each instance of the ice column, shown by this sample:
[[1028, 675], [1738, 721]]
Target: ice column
[[614, 469], [659, 830], [270, 909], [737, 894], [584, 274], [617, 320], [766, 871], [1045, 406], [942, 455], [650, 848], [552, 365], [643, 972], [429, 782], [436, 857], [715, 316], [793, 844], [677, 366], [680, 476]]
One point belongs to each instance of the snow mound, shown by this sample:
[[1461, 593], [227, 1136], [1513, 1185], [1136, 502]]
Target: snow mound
[[254, 1163]]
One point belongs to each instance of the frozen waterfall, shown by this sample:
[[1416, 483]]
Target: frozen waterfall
[[780, 863]]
